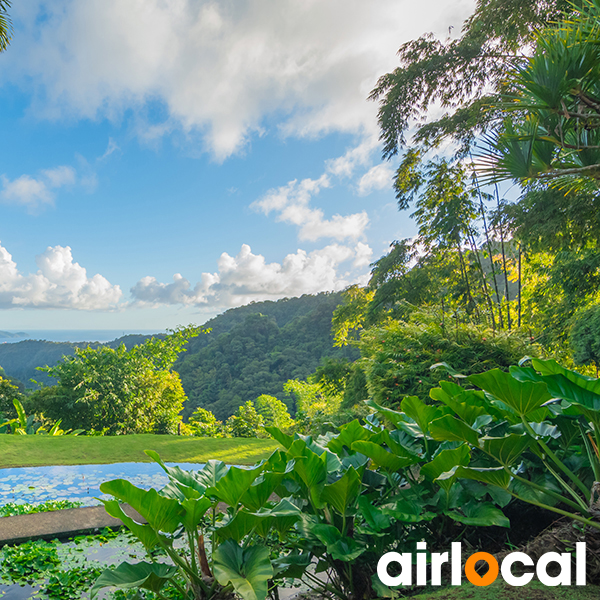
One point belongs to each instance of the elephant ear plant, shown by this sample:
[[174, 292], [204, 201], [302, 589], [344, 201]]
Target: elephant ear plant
[[367, 490], [540, 438], [200, 551]]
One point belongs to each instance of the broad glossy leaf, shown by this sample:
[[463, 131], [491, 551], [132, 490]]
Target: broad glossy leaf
[[238, 527], [283, 438], [381, 457], [188, 479], [339, 547], [247, 569], [451, 429], [523, 397], [375, 518], [342, 494], [546, 430], [395, 417], [212, 471], [162, 514], [234, 484], [444, 462], [278, 462], [465, 403], [349, 433], [551, 367], [148, 576], [506, 450], [421, 413], [479, 514], [293, 565], [147, 536], [310, 468], [260, 491], [399, 442], [496, 476], [282, 516], [195, 509], [20, 413], [409, 511]]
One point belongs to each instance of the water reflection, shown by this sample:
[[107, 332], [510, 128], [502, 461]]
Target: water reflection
[[77, 482]]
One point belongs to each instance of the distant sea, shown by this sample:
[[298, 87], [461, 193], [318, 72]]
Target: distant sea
[[70, 335]]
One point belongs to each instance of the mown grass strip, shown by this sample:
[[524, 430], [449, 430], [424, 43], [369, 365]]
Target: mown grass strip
[[38, 451]]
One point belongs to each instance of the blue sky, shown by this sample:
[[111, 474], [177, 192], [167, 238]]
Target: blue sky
[[165, 160]]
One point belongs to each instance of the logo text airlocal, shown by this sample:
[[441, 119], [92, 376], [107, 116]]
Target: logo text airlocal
[[405, 560]]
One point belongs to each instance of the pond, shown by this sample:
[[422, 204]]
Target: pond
[[77, 482]]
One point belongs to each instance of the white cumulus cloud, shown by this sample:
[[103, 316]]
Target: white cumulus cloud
[[248, 277], [33, 192], [378, 177], [59, 283], [291, 203], [219, 68]]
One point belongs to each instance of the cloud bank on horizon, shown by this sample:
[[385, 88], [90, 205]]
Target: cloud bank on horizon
[[218, 74]]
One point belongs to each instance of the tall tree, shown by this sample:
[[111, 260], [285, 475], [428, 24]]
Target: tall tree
[[552, 130], [462, 75]]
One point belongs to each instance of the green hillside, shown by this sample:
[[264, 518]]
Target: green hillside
[[250, 350], [273, 342]]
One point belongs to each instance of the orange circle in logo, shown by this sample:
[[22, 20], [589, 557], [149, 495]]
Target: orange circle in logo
[[473, 576]]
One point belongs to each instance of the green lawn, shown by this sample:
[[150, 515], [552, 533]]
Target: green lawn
[[37, 450], [502, 591]]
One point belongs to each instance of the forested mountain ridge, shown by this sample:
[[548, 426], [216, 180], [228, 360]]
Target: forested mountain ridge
[[250, 350], [259, 354]]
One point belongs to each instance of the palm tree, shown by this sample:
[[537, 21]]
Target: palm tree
[[5, 25], [552, 128]]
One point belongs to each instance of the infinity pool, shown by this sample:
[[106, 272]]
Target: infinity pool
[[77, 482]]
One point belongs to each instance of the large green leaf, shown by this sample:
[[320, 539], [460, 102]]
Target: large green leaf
[[238, 527], [233, 485], [375, 518], [551, 367], [191, 486], [283, 438], [395, 417], [148, 576], [195, 509], [523, 397], [343, 493], [381, 457], [281, 517], [451, 429], [212, 471], [479, 514], [467, 404], [310, 468], [162, 514], [399, 442], [495, 476], [349, 433], [291, 565], [409, 510], [444, 462], [506, 450], [258, 494], [422, 414], [338, 546], [247, 569], [145, 533]]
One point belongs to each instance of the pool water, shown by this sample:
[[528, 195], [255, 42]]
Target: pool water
[[78, 482]]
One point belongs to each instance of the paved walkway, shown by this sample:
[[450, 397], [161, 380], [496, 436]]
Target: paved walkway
[[59, 524]]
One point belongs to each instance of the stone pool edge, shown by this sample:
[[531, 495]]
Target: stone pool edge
[[60, 524]]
